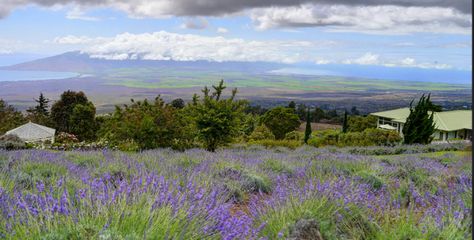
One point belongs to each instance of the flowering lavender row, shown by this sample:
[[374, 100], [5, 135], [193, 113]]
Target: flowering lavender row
[[233, 194]]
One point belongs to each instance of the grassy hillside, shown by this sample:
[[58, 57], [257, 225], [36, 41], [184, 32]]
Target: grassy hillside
[[240, 193]]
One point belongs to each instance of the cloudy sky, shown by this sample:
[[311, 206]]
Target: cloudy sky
[[429, 34]]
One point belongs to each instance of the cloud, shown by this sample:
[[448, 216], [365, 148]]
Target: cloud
[[366, 59], [191, 47], [10, 46], [374, 59], [161, 8], [78, 14], [222, 30], [5, 51], [79, 40], [369, 19], [188, 47], [195, 23]]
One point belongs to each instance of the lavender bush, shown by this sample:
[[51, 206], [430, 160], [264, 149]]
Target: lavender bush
[[163, 194]]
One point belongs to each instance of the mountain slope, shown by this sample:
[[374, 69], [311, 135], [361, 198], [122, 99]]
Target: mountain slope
[[82, 63]]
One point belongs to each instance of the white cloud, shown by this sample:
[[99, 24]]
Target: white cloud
[[387, 19], [366, 59], [79, 40], [374, 59], [5, 51], [190, 47], [10, 46], [195, 23], [184, 47], [79, 14], [222, 30]]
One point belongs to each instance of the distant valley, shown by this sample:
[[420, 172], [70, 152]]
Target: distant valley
[[110, 82]]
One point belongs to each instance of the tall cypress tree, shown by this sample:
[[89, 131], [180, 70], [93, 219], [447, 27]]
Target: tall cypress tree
[[307, 131], [42, 107], [419, 125], [40, 113], [345, 126]]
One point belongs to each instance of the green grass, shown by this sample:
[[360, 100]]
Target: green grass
[[169, 79]]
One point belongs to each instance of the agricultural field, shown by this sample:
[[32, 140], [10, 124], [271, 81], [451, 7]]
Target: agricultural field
[[242, 192]]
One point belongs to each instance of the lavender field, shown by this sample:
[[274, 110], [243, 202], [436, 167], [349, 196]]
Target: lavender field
[[237, 193]]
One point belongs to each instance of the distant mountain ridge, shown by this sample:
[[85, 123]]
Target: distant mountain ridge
[[82, 62]]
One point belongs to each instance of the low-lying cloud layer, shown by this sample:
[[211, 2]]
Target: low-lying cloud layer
[[189, 47]]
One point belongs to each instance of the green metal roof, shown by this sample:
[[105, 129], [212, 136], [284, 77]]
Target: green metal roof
[[397, 115], [453, 120], [445, 121]]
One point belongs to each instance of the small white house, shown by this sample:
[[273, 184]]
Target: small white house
[[32, 132], [449, 125]]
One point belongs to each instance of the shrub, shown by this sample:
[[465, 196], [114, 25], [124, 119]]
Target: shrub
[[281, 121], [261, 133], [11, 142], [277, 166], [293, 135], [63, 137], [277, 143], [369, 137]]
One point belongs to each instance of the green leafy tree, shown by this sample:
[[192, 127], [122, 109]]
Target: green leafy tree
[[307, 131], [332, 114], [292, 105], [261, 133], [318, 114], [145, 125], [354, 111], [301, 111], [9, 117], [217, 120], [360, 123], [280, 121], [82, 121], [61, 110], [434, 107], [419, 125], [40, 113], [345, 125], [178, 103]]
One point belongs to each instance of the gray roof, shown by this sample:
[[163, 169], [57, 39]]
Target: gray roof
[[32, 132]]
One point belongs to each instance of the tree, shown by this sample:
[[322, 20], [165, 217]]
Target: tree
[[419, 125], [292, 105], [145, 125], [61, 110], [360, 123], [332, 114], [217, 120], [261, 133], [434, 107], [83, 123], [9, 117], [280, 121], [344, 123], [301, 111], [307, 131], [318, 114], [354, 111], [178, 103], [40, 113]]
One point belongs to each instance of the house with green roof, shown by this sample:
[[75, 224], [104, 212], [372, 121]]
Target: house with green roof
[[449, 125]]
